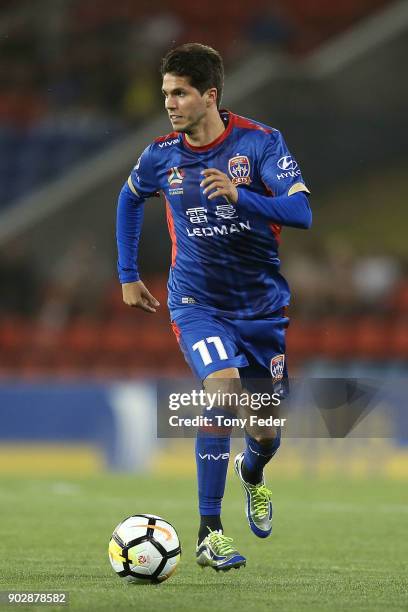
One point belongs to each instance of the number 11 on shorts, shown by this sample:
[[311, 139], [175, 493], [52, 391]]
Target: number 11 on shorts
[[201, 347]]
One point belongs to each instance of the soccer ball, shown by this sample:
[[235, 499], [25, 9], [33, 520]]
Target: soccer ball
[[144, 549]]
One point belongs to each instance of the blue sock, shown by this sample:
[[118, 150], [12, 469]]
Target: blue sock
[[212, 452], [256, 456]]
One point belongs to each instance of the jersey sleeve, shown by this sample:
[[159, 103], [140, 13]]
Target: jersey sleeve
[[140, 185], [129, 219], [279, 170], [281, 176], [142, 180]]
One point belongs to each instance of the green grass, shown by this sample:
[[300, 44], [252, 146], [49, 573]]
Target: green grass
[[337, 545]]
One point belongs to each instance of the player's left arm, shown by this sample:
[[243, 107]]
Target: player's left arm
[[289, 210], [289, 205], [281, 175]]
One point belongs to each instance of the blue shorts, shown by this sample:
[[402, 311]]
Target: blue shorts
[[211, 343]]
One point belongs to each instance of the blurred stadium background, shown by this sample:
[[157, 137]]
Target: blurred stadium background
[[80, 98]]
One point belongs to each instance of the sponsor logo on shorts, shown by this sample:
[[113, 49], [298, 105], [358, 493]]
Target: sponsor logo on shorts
[[277, 367]]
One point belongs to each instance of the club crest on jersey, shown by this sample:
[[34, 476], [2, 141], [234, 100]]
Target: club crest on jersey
[[277, 367], [240, 168], [175, 176]]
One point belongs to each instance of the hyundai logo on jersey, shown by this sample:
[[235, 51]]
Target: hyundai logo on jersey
[[287, 163]]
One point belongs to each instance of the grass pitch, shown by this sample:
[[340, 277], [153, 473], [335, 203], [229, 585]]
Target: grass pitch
[[337, 545]]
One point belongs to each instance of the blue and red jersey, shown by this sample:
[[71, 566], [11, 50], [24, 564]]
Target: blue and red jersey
[[224, 255]]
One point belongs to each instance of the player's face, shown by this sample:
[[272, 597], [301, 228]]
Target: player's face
[[185, 105]]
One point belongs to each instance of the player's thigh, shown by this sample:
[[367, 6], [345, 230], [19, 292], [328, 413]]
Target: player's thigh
[[262, 412], [226, 385], [264, 341], [208, 344], [266, 375]]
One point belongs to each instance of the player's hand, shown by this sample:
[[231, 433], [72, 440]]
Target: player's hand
[[136, 295], [215, 179]]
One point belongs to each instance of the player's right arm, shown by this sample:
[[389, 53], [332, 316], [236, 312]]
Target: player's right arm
[[140, 185]]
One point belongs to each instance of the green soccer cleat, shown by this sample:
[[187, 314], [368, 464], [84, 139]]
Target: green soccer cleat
[[258, 504], [217, 552]]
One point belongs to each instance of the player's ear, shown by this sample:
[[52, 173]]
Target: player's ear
[[211, 96]]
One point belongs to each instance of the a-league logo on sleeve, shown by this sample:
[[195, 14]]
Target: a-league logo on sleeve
[[277, 367]]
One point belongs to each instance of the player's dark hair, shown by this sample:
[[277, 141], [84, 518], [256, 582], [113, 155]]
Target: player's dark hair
[[201, 64]]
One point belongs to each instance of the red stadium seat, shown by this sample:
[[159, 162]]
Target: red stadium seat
[[303, 340], [14, 334], [117, 338], [337, 338], [82, 337], [371, 338], [398, 340], [398, 302]]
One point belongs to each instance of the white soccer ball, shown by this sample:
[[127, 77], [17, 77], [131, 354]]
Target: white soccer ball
[[144, 549]]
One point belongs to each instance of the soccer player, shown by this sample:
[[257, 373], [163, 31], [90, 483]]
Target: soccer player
[[230, 184]]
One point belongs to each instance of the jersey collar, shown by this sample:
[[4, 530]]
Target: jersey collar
[[228, 119]]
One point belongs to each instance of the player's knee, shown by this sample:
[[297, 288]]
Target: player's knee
[[271, 439], [224, 388]]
